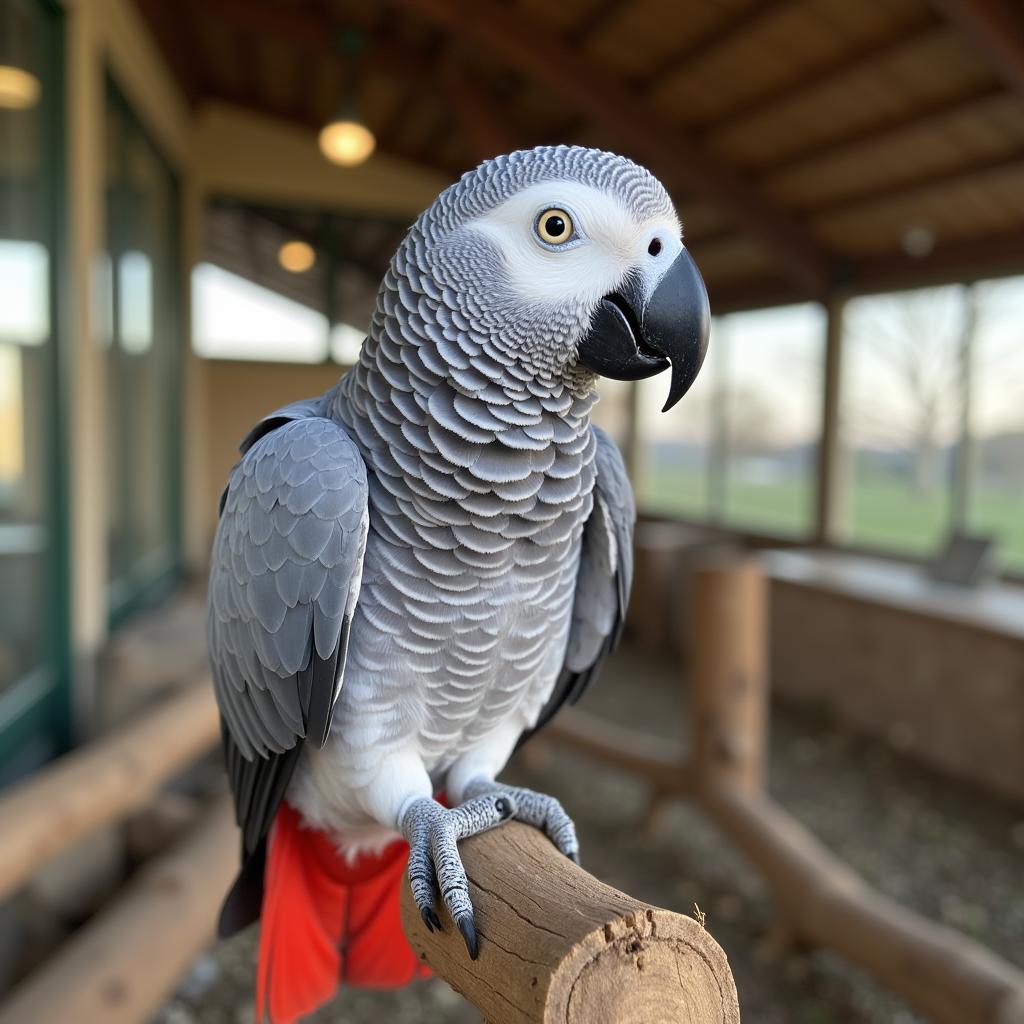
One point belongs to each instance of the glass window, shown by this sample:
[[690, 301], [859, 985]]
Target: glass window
[[142, 362], [33, 638], [771, 370], [282, 285], [673, 472], [995, 503], [233, 318], [900, 415]]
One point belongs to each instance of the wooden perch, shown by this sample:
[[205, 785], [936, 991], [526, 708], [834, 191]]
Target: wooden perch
[[102, 782], [558, 945], [121, 965]]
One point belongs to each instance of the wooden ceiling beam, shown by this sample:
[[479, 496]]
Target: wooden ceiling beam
[[517, 42], [700, 46], [969, 260], [175, 36], [862, 57], [305, 120], [594, 21], [928, 115], [919, 184], [955, 262], [315, 32], [997, 29], [486, 130]]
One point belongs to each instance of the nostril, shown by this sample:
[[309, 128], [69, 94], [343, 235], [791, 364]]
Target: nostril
[[655, 247]]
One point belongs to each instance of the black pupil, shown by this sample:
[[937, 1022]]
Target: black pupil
[[655, 247], [555, 226]]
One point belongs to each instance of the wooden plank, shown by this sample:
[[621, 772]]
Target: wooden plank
[[121, 966], [997, 29], [558, 945], [102, 782], [867, 55], [514, 40], [739, 19]]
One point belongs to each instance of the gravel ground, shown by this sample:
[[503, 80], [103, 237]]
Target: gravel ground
[[944, 849]]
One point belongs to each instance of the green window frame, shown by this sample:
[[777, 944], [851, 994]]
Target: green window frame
[[153, 575], [36, 709]]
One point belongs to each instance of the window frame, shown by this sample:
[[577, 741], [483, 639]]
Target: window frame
[[36, 710], [141, 588]]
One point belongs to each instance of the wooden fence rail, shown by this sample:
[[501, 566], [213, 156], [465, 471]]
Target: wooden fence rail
[[120, 967], [558, 945], [951, 978], [102, 782]]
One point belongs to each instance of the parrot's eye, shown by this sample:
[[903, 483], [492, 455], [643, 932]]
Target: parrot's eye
[[554, 226]]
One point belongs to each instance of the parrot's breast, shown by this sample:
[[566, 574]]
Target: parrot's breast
[[481, 477]]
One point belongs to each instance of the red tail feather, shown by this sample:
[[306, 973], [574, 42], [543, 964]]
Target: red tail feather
[[326, 921]]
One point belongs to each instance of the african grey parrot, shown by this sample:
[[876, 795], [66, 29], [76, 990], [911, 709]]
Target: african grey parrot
[[414, 571]]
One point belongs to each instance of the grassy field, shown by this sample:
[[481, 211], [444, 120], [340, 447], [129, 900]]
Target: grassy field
[[879, 512]]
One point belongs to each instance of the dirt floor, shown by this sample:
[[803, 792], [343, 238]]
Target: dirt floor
[[951, 853]]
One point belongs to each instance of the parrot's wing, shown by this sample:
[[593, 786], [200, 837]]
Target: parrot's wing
[[287, 564], [604, 580]]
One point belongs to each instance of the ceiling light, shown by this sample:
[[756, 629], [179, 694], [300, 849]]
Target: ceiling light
[[296, 257], [19, 89], [918, 241], [346, 142]]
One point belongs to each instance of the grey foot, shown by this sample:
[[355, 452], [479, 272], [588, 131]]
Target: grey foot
[[537, 809], [433, 832]]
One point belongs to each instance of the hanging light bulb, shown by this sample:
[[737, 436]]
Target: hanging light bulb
[[347, 142], [19, 89], [296, 257]]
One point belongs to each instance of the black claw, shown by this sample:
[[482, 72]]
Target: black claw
[[503, 807], [430, 919], [468, 928]]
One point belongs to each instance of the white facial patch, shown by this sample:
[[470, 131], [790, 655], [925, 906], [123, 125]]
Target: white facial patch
[[612, 244]]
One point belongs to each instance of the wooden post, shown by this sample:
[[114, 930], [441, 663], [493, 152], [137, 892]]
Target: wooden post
[[558, 945], [832, 469], [729, 691]]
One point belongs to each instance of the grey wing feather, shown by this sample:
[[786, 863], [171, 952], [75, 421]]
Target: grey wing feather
[[287, 564], [603, 583]]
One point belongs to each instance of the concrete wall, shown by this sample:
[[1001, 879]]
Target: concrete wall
[[948, 693], [235, 396]]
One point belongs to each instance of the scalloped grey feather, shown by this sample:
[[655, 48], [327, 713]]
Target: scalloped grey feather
[[451, 476]]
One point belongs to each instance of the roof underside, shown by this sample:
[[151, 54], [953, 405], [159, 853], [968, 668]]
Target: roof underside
[[801, 139]]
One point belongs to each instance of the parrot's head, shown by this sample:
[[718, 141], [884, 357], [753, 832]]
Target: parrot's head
[[570, 263]]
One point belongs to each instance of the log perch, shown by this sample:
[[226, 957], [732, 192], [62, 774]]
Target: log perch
[[558, 945]]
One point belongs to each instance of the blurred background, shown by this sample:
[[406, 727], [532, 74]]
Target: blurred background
[[197, 203]]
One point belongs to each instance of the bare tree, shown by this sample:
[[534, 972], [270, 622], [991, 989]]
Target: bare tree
[[921, 342]]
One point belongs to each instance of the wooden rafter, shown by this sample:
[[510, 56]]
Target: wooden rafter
[[742, 18], [919, 184], [933, 114], [600, 15], [486, 131], [175, 37], [859, 58], [514, 40], [997, 27]]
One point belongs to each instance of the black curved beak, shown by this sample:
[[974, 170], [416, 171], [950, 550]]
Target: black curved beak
[[630, 341]]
